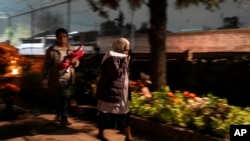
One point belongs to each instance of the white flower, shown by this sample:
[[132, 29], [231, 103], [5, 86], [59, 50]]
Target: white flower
[[190, 101], [206, 100], [198, 99]]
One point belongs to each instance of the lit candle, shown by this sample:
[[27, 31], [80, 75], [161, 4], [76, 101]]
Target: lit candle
[[14, 71]]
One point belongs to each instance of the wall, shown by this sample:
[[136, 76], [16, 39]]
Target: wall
[[216, 43], [233, 40], [230, 40]]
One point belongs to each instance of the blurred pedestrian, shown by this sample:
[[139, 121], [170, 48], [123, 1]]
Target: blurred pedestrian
[[58, 78], [112, 90]]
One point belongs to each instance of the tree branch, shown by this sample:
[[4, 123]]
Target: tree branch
[[144, 2]]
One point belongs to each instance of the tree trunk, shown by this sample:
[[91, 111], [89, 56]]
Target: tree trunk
[[157, 37]]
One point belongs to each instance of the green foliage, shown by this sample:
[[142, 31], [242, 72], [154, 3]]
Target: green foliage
[[208, 113], [8, 33], [14, 34]]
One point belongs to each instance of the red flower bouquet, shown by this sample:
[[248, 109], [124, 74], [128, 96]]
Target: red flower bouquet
[[78, 53]]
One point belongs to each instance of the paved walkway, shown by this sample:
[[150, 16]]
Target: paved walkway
[[35, 125]]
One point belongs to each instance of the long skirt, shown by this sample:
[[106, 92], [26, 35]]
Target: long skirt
[[112, 121]]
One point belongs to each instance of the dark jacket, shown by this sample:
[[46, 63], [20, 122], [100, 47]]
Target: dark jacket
[[110, 87]]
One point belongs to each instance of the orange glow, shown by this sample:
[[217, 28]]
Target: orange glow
[[15, 71], [13, 61]]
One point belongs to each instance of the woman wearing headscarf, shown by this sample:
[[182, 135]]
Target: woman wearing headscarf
[[112, 90]]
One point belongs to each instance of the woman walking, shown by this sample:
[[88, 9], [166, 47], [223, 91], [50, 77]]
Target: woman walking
[[112, 90]]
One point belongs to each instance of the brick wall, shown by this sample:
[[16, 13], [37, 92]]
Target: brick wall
[[234, 40], [230, 40]]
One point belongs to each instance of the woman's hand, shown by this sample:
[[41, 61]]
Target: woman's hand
[[127, 59]]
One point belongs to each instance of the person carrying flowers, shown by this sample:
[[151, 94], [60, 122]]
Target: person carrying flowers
[[57, 77]]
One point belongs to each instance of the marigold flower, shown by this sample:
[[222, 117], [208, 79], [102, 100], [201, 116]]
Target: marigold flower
[[176, 100], [170, 94], [185, 93], [132, 84], [192, 95]]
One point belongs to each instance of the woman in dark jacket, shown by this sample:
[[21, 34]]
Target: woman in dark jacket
[[112, 90]]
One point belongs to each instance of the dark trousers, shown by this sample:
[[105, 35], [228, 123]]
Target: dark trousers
[[64, 102], [112, 121]]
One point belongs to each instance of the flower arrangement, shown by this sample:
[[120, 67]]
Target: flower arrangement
[[8, 93], [207, 114]]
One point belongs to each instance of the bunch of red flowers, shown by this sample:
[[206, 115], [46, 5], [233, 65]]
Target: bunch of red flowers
[[78, 53]]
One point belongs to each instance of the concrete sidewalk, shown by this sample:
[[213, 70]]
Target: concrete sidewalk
[[39, 126], [43, 128], [36, 126]]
